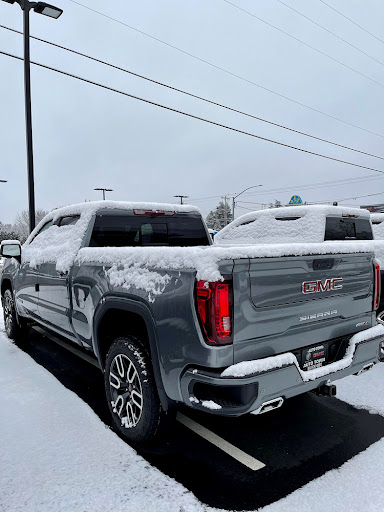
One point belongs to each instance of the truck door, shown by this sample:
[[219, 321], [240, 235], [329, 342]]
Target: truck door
[[54, 297], [27, 283]]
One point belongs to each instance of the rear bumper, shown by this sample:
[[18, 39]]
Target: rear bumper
[[233, 396]]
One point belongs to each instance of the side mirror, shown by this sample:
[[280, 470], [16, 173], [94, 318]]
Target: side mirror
[[10, 249]]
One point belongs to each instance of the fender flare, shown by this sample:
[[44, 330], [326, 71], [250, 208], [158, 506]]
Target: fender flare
[[142, 310]]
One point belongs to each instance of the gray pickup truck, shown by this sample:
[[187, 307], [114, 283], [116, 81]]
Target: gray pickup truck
[[173, 319]]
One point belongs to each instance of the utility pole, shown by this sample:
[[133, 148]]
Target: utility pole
[[52, 12], [104, 191], [225, 210], [181, 198]]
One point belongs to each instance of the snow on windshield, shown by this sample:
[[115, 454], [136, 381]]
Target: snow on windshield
[[283, 225]]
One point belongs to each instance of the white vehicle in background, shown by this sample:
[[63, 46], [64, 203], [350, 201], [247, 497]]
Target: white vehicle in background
[[309, 224], [377, 220]]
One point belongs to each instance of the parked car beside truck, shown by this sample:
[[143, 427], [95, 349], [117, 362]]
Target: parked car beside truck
[[175, 321]]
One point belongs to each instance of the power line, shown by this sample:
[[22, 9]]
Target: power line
[[354, 22], [192, 116], [315, 186], [308, 186], [193, 95], [228, 72], [304, 43], [358, 197], [330, 32]]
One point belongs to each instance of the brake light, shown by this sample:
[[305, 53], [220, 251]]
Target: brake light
[[377, 291], [214, 303], [154, 213]]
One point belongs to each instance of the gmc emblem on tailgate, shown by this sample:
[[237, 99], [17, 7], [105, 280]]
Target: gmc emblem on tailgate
[[320, 286]]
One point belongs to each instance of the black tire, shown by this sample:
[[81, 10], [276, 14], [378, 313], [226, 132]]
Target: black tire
[[129, 376], [15, 328]]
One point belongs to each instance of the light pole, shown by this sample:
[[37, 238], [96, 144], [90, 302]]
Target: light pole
[[181, 198], [235, 197], [104, 191], [52, 12]]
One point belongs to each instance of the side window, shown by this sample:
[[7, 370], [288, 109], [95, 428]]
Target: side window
[[44, 228], [68, 221]]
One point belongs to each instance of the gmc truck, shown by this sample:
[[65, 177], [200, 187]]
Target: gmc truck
[[174, 320]]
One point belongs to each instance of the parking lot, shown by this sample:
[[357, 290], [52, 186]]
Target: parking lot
[[235, 463]]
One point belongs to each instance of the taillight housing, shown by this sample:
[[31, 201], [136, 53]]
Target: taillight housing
[[377, 290], [214, 308]]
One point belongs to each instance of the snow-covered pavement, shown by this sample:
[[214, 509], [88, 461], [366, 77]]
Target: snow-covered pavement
[[56, 454]]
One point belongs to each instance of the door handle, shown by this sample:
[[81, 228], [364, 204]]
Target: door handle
[[37, 287]]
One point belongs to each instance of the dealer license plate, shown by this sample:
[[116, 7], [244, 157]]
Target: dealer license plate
[[314, 357]]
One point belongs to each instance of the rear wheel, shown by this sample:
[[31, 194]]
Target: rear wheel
[[16, 329], [132, 394]]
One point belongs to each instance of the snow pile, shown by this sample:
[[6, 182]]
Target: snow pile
[[141, 278], [269, 363], [266, 226], [56, 454], [210, 404], [60, 245]]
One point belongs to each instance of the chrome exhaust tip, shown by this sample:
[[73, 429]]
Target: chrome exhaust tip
[[365, 368], [269, 406]]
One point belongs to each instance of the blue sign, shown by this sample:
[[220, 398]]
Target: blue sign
[[295, 200]]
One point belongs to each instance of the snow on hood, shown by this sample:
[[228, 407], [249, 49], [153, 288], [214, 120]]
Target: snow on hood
[[60, 245], [266, 226]]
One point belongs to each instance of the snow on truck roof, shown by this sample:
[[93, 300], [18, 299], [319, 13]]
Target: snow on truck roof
[[148, 268], [284, 225]]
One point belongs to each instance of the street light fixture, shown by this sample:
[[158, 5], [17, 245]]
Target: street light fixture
[[52, 12], [235, 197], [3, 181], [104, 191]]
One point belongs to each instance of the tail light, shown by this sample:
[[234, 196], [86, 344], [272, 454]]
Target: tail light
[[214, 307], [377, 290]]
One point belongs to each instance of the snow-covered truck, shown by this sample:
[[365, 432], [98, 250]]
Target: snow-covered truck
[[173, 320]]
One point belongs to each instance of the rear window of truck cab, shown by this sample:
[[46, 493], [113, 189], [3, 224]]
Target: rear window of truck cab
[[348, 228], [148, 230]]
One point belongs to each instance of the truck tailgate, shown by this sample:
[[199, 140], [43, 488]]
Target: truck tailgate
[[283, 304]]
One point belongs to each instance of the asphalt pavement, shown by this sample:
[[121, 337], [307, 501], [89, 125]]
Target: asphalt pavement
[[306, 437]]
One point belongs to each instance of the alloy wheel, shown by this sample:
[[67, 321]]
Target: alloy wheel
[[8, 314], [126, 391]]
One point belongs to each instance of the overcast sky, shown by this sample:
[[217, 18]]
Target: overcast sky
[[87, 137]]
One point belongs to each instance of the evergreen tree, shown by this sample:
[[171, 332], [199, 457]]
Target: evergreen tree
[[216, 218], [276, 204]]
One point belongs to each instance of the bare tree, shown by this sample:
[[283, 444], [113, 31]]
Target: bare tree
[[21, 225]]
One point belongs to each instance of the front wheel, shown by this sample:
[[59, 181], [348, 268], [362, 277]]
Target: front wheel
[[131, 392], [14, 329]]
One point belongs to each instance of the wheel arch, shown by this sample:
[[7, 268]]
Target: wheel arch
[[106, 327]]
